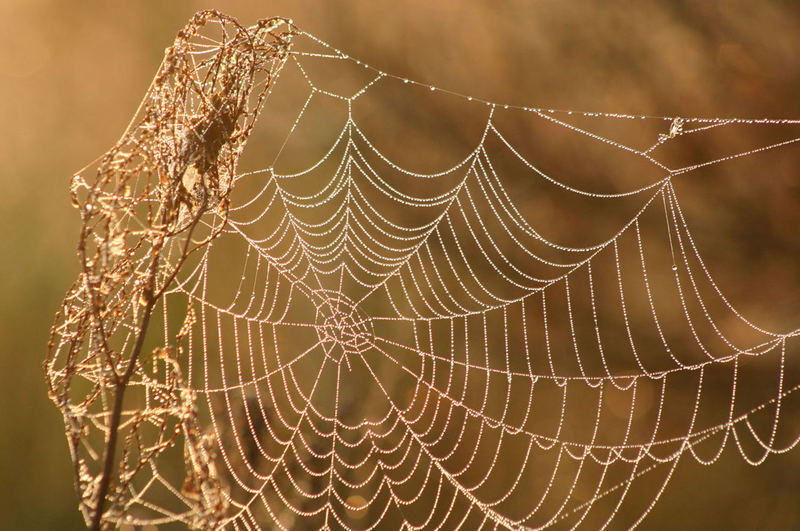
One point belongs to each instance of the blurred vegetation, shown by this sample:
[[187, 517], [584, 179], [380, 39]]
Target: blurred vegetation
[[73, 75]]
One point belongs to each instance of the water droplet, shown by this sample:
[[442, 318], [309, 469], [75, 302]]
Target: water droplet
[[674, 267]]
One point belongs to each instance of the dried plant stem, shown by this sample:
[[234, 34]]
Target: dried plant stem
[[116, 415], [121, 383], [174, 166]]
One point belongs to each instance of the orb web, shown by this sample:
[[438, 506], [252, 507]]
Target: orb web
[[303, 329]]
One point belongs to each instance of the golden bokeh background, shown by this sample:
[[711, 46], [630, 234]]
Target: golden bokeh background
[[73, 74]]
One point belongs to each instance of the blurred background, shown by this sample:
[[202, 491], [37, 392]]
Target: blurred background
[[73, 75]]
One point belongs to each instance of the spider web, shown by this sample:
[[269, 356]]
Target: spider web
[[341, 339]]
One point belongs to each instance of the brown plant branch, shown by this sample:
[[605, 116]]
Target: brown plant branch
[[175, 163]]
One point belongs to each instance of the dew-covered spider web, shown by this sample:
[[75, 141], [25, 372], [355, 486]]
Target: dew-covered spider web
[[320, 295]]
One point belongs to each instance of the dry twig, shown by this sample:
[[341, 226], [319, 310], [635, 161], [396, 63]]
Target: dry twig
[[159, 196]]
